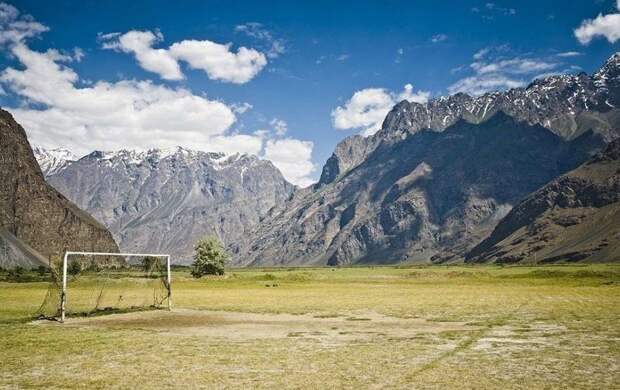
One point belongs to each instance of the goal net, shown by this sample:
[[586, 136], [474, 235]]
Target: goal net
[[90, 283]]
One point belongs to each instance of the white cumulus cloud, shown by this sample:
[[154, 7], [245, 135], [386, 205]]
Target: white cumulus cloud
[[217, 60], [140, 44], [293, 158], [607, 26], [132, 114], [367, 108], [108, 116]]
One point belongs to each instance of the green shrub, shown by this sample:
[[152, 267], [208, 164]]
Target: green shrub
[[16, 274], [41, 270], [74, 268], [210, 257]]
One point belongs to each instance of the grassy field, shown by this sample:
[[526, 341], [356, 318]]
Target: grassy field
[[419, 327]]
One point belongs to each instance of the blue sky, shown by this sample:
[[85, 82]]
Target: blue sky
[[142, 74]]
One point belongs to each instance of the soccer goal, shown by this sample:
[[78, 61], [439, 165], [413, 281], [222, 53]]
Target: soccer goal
[[89, 283]]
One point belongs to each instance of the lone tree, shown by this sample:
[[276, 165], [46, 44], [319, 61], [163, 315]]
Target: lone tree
[[210, 257]]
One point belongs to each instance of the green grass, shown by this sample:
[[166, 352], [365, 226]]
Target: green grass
[[524, 327]]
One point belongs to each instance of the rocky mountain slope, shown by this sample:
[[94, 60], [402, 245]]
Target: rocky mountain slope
[[431, 195], [165, 200], [567, 105], [574, 217], [439, 176], [34, 212]]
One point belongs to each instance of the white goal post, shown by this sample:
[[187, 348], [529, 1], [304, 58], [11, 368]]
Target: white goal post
[[63, 296]]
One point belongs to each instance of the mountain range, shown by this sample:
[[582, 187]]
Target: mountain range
[[164, 200], [433, 185], [439, 176]]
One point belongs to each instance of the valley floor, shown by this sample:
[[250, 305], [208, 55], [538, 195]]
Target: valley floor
[[382, 327]]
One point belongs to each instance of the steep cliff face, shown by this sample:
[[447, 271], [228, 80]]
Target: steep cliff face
[[33, 211], [437, 178], [348, 154], [574, 217], [164, 200]]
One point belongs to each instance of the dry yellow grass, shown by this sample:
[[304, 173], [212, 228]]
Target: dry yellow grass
[[427, 327]]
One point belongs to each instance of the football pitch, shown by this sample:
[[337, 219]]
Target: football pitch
[[373, 327]]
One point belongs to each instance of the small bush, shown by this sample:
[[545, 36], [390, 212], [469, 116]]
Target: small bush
[[74, 268], [41, 270], [16, 274], [210, 257]]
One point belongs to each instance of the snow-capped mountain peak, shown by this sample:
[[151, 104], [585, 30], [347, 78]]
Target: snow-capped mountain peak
[[177, 195], [54, 160]]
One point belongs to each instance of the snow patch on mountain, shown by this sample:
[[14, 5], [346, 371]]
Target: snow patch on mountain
[[54, 160]]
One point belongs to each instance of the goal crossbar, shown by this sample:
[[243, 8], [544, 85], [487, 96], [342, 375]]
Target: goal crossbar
[[63, 296]]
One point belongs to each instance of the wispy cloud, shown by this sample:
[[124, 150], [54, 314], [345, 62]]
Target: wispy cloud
[[241, 108], [439, 38], [569, 54], [16, 27], [490, 10], [497, 68], [274, 47], [280, 126], [399, 55], [515, 66], [479, 85]]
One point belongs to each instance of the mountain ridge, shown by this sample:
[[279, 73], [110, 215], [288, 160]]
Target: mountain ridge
[[438, 221], [166, 199], [418, 198], [541, 102]]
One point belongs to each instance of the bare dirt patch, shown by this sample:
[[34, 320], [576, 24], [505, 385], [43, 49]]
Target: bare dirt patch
[[504, 339], [236, 326]]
